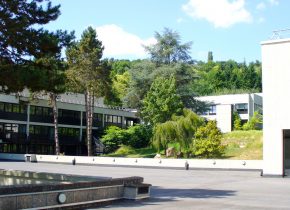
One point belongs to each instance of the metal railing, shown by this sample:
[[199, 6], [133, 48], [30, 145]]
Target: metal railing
[[281, 34]]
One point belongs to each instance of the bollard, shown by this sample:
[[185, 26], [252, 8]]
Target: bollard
[[186, 165], [74, 161]]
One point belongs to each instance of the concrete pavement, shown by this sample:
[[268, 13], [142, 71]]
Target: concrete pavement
[[181, 189]]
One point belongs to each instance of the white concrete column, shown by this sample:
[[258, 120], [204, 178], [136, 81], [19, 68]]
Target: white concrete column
[[81, 126], [276, 102], [28, 120]]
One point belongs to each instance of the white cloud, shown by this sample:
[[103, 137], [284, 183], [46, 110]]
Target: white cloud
[[120, 43], [222, 13], [274, 2], [261, 6]]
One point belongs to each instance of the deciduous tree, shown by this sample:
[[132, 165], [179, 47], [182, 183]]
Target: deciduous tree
[[161, 101]]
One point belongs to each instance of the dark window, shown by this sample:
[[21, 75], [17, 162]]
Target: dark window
[[212, 110], [98, 117], [15, 108], [41, 111], [2, 106], [109, 118], [242, 108], [8, 107]]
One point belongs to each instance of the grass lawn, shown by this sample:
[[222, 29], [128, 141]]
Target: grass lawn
[[126, 151], [243, 145], [246, 145]]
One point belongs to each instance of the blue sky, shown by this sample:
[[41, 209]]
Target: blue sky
[[231, 29]]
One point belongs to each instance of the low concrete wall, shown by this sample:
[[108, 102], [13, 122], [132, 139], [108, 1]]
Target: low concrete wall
[[147, 162], [49, 200], [16, 157]]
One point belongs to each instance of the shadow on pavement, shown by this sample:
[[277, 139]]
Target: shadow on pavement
[[160, 195]]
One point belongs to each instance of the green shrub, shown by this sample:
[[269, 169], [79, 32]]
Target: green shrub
[[254, 123], [124, 151], [237, 121], [207, 141], [139, 136], [113, 138]]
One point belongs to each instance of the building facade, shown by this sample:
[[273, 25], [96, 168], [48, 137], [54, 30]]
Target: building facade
[[26, 126], [221, 108], [276, 97]]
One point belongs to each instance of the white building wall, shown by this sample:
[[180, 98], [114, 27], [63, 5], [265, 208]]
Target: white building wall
[[276, 102], [224, 117], [224, 105]]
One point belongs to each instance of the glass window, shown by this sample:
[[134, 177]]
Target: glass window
[[1, 106], [8, 107], [212, 110], [242, 108], [115, 119], [36, 130], [38, 110], [109, 118], [15, 108], [22, 128], [22, 108], [32, 110], [45, 111]]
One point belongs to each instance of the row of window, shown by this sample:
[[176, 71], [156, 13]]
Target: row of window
[[211, 110], [113, 119], [11, 127], [47, 112], [239, 108], [13, 108]]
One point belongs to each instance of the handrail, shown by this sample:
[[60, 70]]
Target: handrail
[[279, 34]]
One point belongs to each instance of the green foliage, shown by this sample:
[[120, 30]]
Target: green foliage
[[137, 136], [127, 151], [119, 67], [143, 73], [168, 48], [237, 121], [88, 74], [114, 137], [161, 101], [216, 78], [254, 123], [207, 141], [86, 71], [180, 129], [120, 87], [23, 47]]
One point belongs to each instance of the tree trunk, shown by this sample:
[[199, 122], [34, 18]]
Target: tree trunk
[[88, 97], [55, 121]]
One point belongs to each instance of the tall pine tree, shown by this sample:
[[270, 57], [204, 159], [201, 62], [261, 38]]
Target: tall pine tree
[[88, 74]]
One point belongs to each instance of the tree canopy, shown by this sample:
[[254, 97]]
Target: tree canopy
[[88, 74], [168, 48], [22, 43], [161, 101]]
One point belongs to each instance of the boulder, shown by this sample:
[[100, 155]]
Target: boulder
[[170, 152]]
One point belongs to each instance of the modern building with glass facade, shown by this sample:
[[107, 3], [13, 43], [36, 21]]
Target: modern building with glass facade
[[26, 126], [221, 108]]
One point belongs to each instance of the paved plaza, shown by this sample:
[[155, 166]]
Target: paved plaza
[[181, 189]]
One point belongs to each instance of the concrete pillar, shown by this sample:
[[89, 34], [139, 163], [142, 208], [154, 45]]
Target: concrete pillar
[[276, 102]]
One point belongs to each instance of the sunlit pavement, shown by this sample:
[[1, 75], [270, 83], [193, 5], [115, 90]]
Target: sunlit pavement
[[181, 189]]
